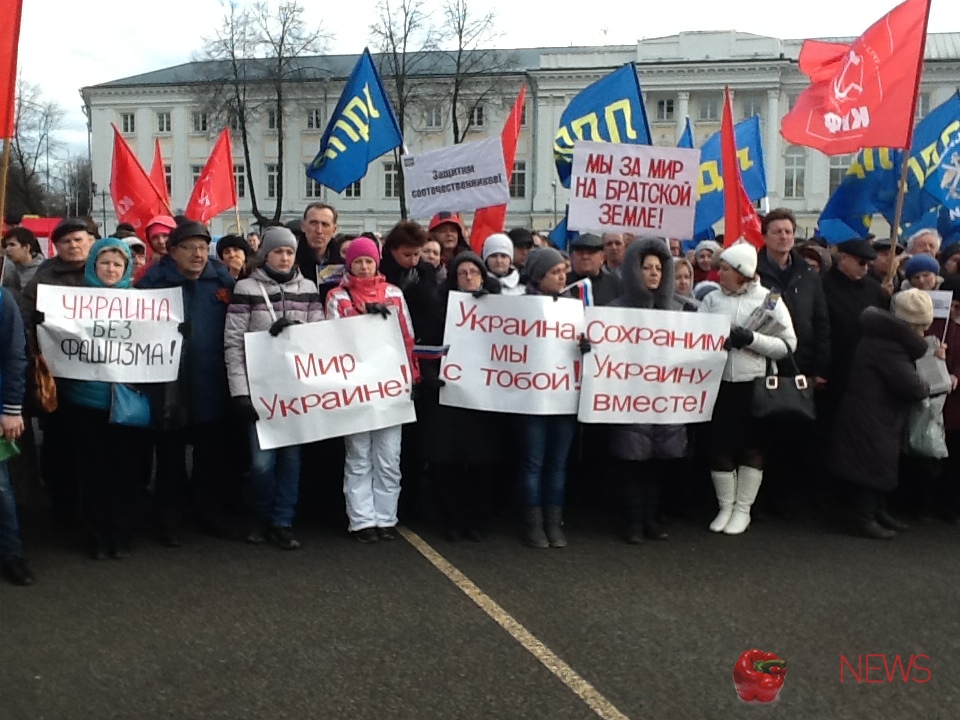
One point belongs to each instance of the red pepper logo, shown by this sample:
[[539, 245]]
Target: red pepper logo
[[759, 675]]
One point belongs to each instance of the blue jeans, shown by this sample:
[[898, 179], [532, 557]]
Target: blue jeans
[[275, 476], [9, 527], [546, 445]]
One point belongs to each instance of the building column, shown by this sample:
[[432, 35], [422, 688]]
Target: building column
[[683, 110], [771, 141]]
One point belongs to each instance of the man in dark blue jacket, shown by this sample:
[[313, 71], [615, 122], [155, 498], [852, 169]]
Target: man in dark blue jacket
[[13, 376], [195, 410]]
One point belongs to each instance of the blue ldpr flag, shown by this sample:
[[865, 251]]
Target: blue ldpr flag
[[560, 236], [609, 110], [936, 170], [362, 128], [750, 153], [869, 186], [686, 137]]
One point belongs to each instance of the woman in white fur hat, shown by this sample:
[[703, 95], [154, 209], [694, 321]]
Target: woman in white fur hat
[[736, 461]]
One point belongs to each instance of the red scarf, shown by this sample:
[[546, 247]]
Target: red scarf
[[365, 290]]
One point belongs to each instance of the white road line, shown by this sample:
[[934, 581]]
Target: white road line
[[566, 674]]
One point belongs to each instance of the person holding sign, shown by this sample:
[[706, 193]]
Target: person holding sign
[[643, 453], [371, 473], [275, 296], [734, 436], [948, 330]]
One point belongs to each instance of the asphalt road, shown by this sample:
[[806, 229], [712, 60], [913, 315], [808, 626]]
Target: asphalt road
[[342, 630]]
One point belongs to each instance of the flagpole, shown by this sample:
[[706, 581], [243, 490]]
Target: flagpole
[[4, 168], [236, 209]]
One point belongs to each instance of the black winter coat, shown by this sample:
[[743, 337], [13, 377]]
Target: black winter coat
[[804, 297], [884, 383], [846, 301], [606, 286], [422, 293]]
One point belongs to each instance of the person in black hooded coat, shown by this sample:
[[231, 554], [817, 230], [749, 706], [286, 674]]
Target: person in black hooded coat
[[643, 454], [462, 446]]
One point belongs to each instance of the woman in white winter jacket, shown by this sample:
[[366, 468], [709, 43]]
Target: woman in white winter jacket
[[734, 436]]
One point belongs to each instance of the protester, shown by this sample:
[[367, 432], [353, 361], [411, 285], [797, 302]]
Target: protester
[[546, 439], [734, 435], [275, 296], [138, 253], [924, 242], [922, 272], [23, 257], [498, 259], [645, 455], [816, 257], [447, 229], [371, 474], [253, 240], [522, 245], [194, 410], [948, 495], [683, 283], [676, 247], [587, 264], [72, 241], [104, 451], [317, 256], [13, 371], [233, 251], [881, 264], [431, 252], [704, 254], [613, 250], [950, 259], [158, 232], [884, 382]]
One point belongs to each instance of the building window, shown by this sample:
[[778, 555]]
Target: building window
[[240, 178], [272, 173], [923, 106], [794, 170], [271, 119], [839, 164], [518, 181], [313, 119], [195, 171], [168, 178], [665, 109], [312, 189], [128, 123], [200, 120], [352, 191], [434, 118], [751, 106], [476, 116], [233, 121], [523, 115], [391, 180], [709, 108], [163, 122]]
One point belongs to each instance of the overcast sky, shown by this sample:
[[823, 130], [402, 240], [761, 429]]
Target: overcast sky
[[66, 45]]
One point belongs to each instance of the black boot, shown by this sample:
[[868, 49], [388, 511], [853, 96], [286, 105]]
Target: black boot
[[535, 536], [652, 528], [867, 504], [553, 524], [885, 519]]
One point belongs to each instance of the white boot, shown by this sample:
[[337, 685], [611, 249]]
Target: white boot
[[748, 485], [725, 484]]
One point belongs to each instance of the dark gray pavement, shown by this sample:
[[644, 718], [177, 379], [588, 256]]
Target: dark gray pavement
[[340, 630]]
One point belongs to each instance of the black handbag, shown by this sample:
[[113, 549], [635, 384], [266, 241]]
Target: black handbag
[[787, 396]]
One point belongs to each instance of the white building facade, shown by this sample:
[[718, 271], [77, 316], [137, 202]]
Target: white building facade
[[681, 75]]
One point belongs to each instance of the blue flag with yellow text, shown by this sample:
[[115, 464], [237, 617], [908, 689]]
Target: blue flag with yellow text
[[686, 137], [609, 110], [362, 128]]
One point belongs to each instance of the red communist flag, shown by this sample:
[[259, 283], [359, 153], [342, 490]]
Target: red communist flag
[[863, 94], [490, 220], [10, 11], [135, 198], [158, 174], [216, 189], [740, 218]]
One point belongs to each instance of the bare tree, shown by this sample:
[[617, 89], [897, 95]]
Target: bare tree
[[34, 139], [73, 179], [405, 37]]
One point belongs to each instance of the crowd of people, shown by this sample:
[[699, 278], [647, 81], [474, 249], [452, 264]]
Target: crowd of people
[[851, 318]]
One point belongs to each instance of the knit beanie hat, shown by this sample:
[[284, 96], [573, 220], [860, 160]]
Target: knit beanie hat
[[362, 247], [277, 237], [710, 245], [233, 241], [159, 224], [497, 243], [914, 307], [742, 257], [919, 264], [540, 261]]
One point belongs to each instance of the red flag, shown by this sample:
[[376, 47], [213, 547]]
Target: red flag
[[864, 94], [135, 198], [740, 218], [10, 11], [490, 220], [216, 189], [158, 175]]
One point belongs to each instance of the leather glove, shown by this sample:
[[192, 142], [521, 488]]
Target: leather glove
[[185, 328], [244, 410], [585, 345], [39, 317], [379, 309], [739, 339], [281, 324], [480, 292]]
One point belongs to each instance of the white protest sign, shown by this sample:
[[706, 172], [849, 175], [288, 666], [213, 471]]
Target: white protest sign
[[638, 189], [120, 336], [512, 354], [462, 177], [327, 379], [652, 367], [941, 302]]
